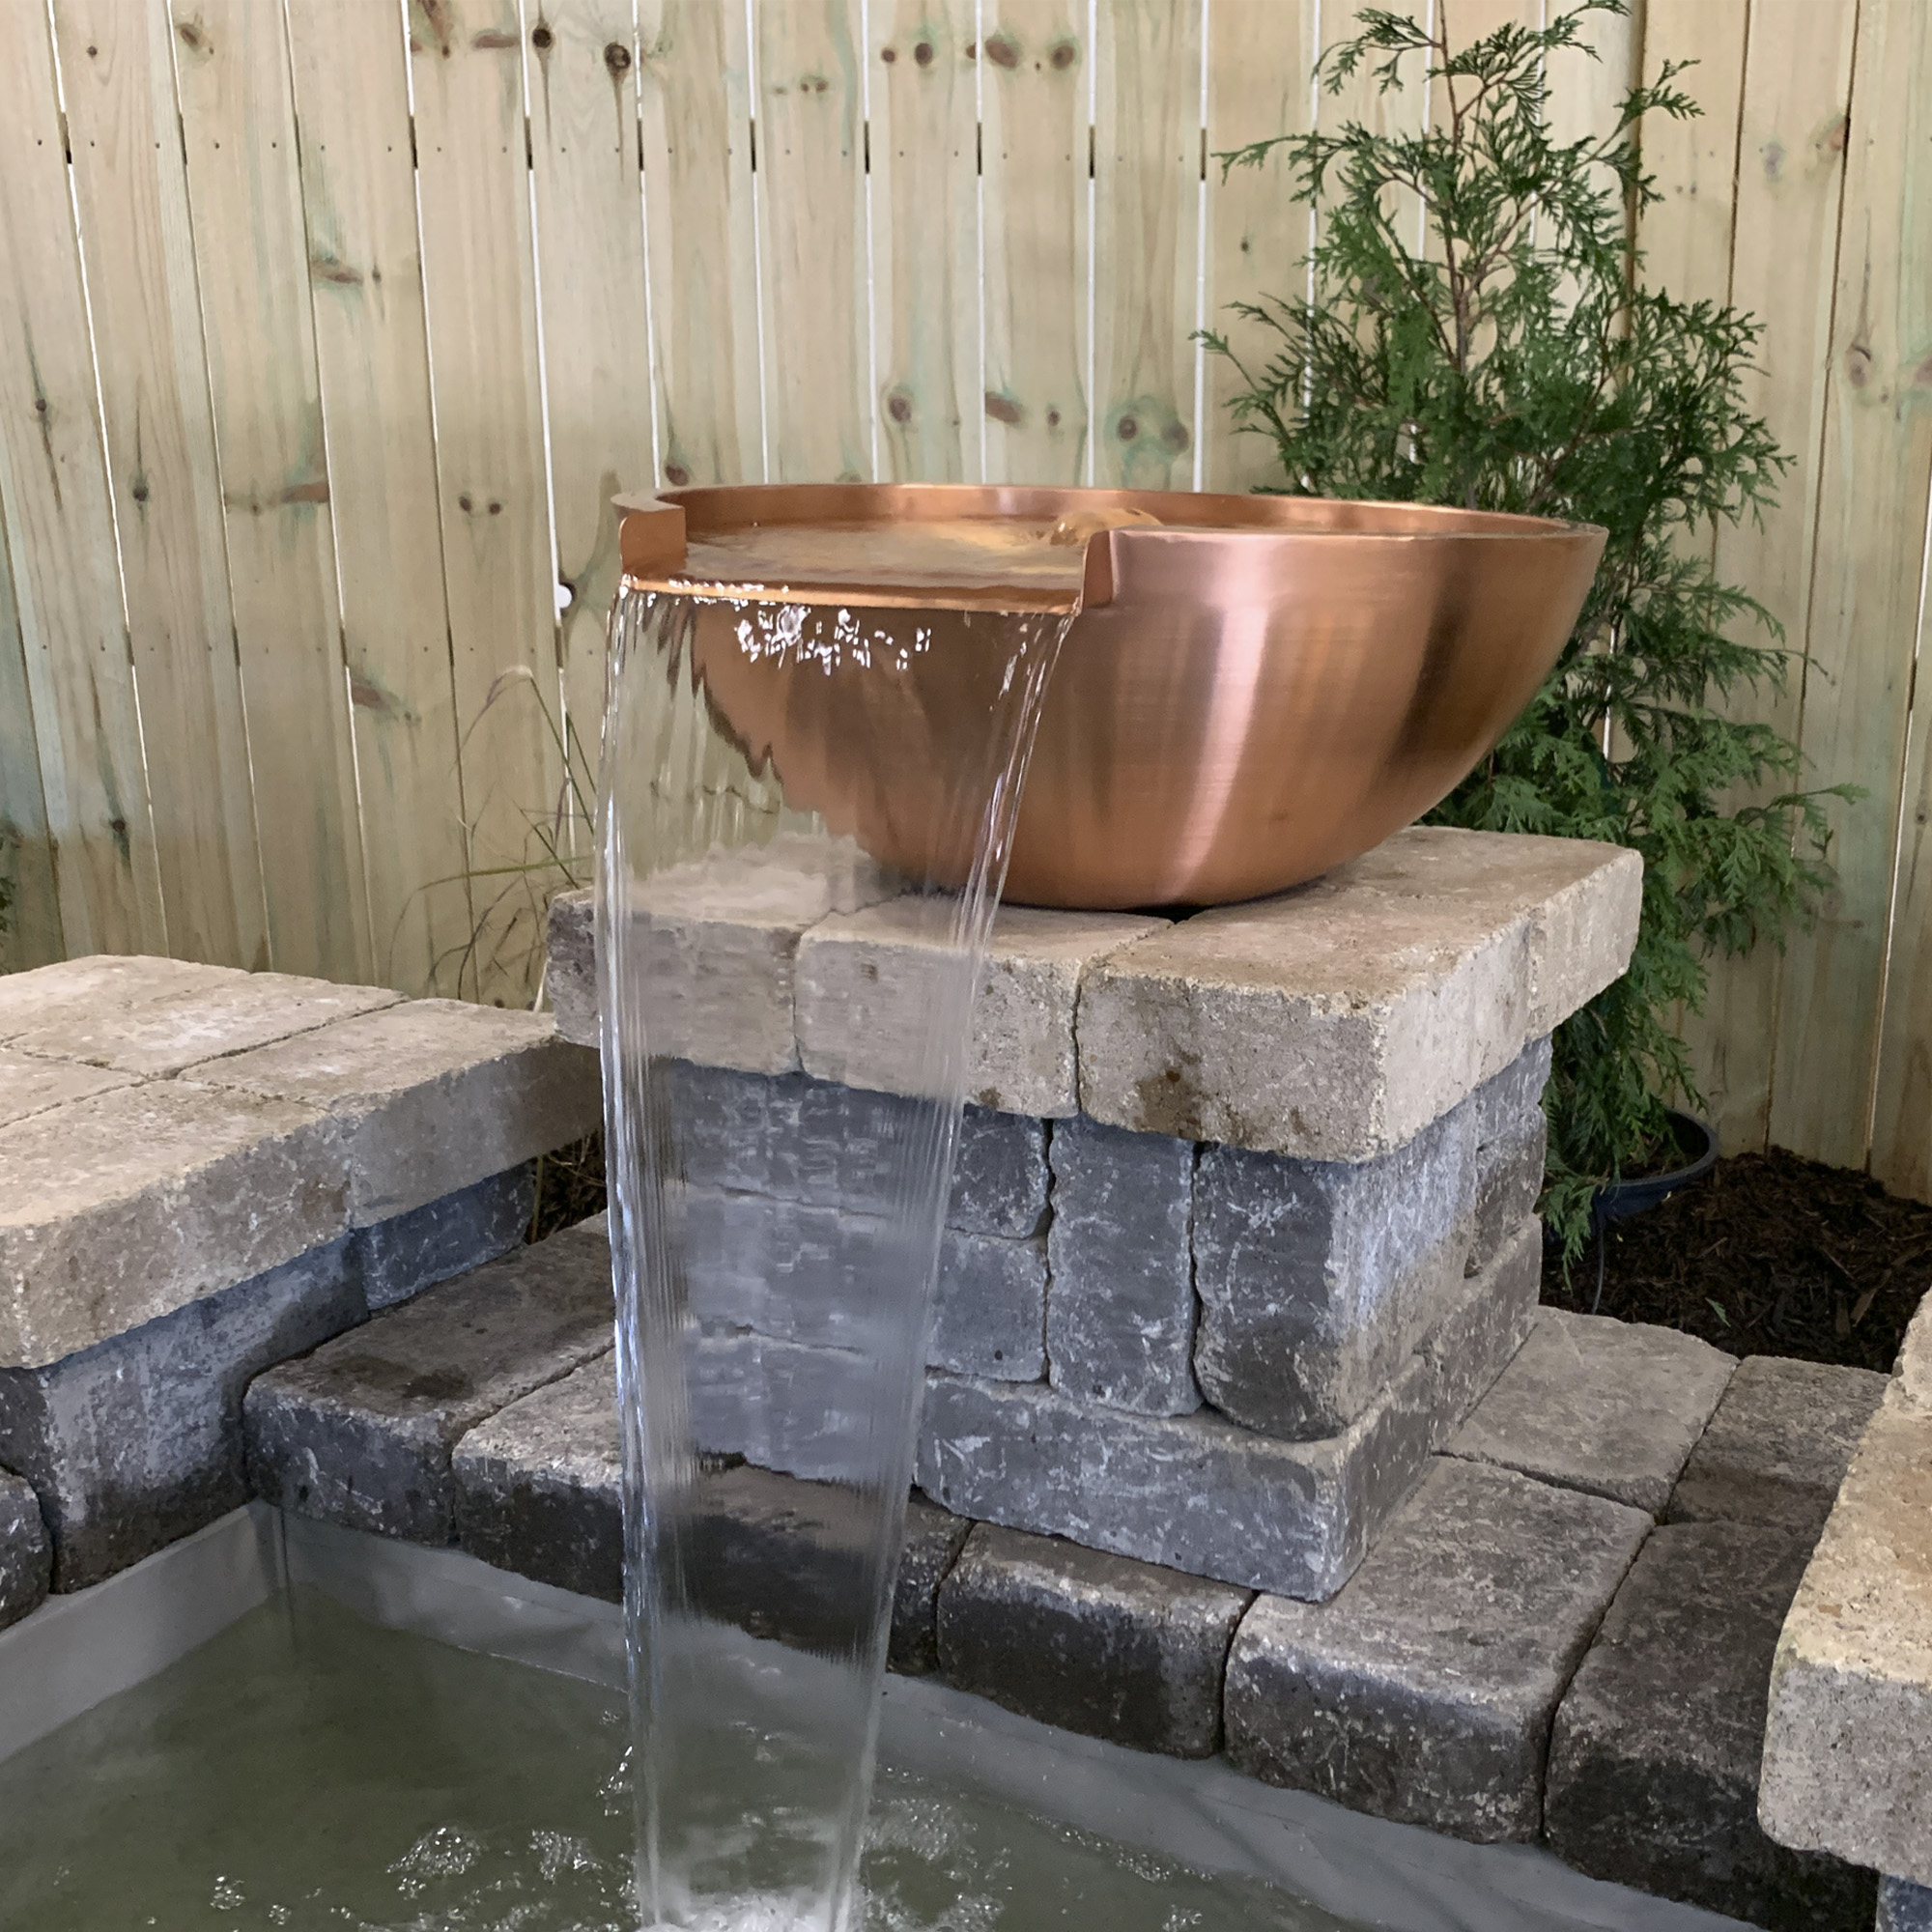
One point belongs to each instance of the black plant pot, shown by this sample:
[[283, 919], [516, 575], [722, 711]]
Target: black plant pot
[[1622, 1198]]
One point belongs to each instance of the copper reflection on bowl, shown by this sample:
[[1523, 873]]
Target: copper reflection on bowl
[[1253, 690]]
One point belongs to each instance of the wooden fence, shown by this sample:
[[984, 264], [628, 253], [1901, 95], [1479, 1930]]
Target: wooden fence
[[327, 328]]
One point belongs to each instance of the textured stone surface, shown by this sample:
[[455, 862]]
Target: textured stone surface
[[798, 1408], [411, 1252], [1778, 1446], [52, 996], [31, 1086], [1197, 1493], [1424, 1692], [168, 1031], [1092, 1643], [1846, 1765], [933, 1541], [1914, 1358], [361, 1431], [990, 1315], [26, 1556], [539, 1486], [1317, 1278], [126, 1206], [1394, 987], [999, 1176], [1614, 1407], [570, 977], [867, 982], [1512, 1143], [1904, 1907], [1119, 1316], [137, 1442], [428, 1098], [1654, 1760]]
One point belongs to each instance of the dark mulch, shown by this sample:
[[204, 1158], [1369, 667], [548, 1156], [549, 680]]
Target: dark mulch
[[1770, 1255], [569, 1186]]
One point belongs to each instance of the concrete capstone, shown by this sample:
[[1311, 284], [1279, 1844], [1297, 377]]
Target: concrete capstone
[[1914, 1358], [72, 990], [30, 1086]]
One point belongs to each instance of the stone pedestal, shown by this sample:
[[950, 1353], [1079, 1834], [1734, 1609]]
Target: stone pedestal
[[1243, 1223]]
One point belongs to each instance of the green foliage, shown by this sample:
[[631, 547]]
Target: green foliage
[[1512, 361]]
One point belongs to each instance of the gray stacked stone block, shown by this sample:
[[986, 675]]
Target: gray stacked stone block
[[1512, 1145], [401, 1257], [360, 1432], [1654, 1765], [933, 1541], [1093, 1643], [1611, 1408], [1120, 1316], [1424, 1693], [26, 1554], [1904, 1907], [1777, 1448]]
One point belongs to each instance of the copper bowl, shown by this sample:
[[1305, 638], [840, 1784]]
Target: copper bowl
[[1250, 693]]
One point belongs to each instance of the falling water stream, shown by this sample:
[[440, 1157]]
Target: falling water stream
[[761, 754]]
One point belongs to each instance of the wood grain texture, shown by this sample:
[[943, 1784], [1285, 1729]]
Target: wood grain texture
[[30, 920], [695, 106], [596, 324], [1867, 577], [131, 186], [1147, 215], [925, 236], [74, 706], [472, 176], [1260, 54], [1782, 269], [1034, 190], [252, 248], [363, 272], [812, 240]]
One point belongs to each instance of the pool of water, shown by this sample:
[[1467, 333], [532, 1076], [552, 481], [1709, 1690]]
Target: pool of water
[[307, 1768]]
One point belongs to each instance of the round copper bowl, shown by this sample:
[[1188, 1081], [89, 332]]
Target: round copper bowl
[[1250, 693]]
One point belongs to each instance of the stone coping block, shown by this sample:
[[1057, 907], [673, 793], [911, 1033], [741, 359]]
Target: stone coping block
[[1778, 1446], [361, 1432], [26, 1555], [1847, 1767], [1610, 1407], [72, 990], [31, 1086], [1654, 1760], [121, 1207], [1424, 1691], [1096, 1644], [426, 1097], [1914, 1358], [1336, 1021]]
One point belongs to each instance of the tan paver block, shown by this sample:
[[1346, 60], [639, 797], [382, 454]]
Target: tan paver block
[[428, 1096], [867, 983], [31, 1086], [78, 989], [132, 1202], [1914, 1359]]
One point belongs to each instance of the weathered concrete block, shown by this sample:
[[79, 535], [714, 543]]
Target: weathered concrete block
[[1904, 1907], [128, 1205], [1395, 987], [31, 1086], [570, 972], [1201, 1495], [868, 980], [1120, 1314], [428, 1098], [1654, 1761], [401, 1257], [1846, 1768], [1317, 1278], [539, 1486], [26, 1555], [360, 1432], [1614, 1407], [1000, 1178], [1097, 1644], [991, 1312], [1914, 1358], [1512, 1148], [72, 990], [1424, 1692], [137, 1441], [1778, 1446], [933, 1541], [168, 1031]]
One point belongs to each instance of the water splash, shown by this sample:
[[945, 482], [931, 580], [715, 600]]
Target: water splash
[[807, 760]]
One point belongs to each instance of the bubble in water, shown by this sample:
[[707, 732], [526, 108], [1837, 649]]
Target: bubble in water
[[228, 1895]]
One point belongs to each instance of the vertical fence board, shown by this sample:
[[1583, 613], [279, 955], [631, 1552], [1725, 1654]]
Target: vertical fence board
[[480, 303], [1864, 610], [811, 239], [364, 277], [925, 236], [1259, 56], [30, 922], [1586, 94], [130, 185], [1147, 213], [696, 104], [1034, 187], [1686, 239], [243, 180], [1359, 98], [596, 326], [1783, 265], [59, 527]]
